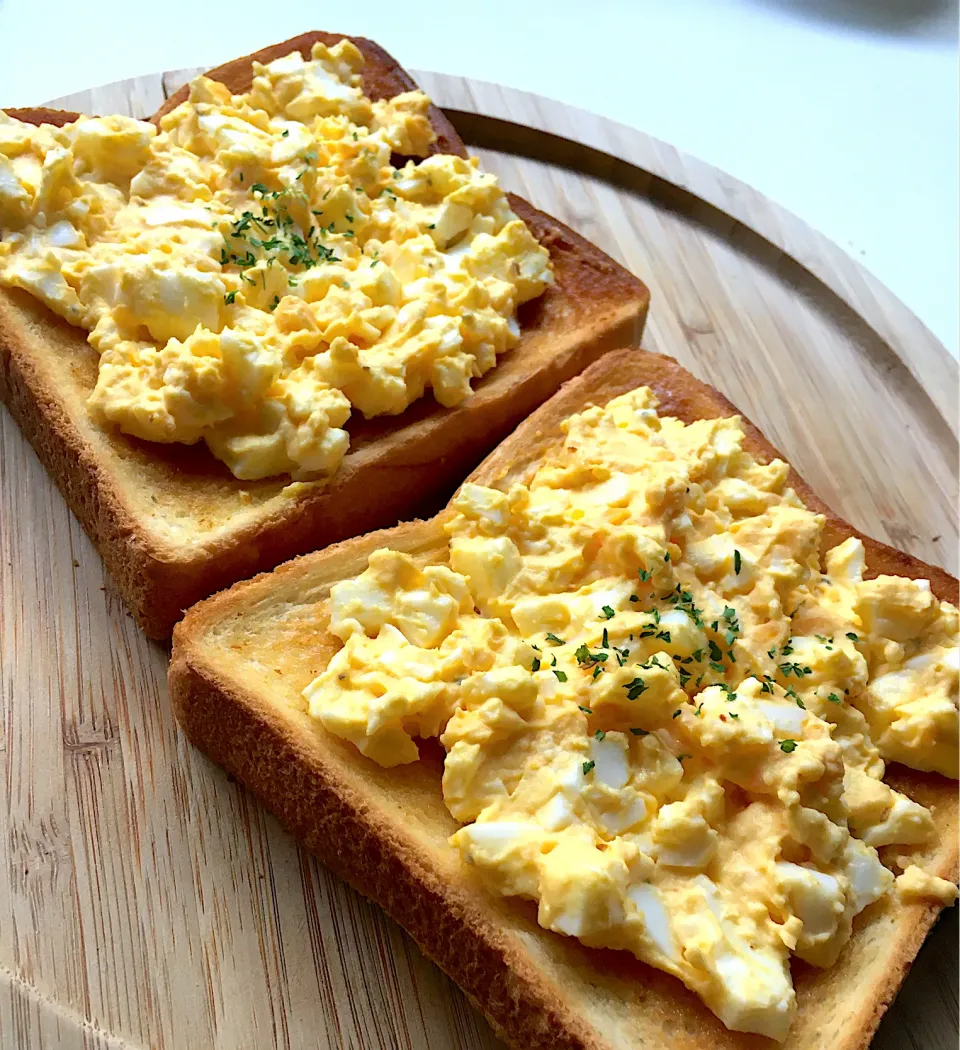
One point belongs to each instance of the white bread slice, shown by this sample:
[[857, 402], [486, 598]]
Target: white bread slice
[[241, 659], [171, 522]]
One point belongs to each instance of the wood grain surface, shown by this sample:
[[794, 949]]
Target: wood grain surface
[[145, 900]]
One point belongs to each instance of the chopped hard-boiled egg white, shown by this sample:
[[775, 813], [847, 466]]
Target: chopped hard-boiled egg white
[[256, 268], [662, 721]]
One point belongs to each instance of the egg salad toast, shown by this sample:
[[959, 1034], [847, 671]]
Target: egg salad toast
[[665, 679], [286, 312]]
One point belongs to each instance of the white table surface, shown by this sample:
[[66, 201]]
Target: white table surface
[[844, 111]]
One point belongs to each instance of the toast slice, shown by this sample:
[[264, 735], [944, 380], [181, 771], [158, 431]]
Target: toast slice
[[241, 659], [172, 523]]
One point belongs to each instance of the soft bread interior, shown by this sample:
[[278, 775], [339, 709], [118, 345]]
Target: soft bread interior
[[242, 658]]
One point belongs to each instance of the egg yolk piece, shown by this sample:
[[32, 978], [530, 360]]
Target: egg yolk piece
[[257, 268], [663, 722]]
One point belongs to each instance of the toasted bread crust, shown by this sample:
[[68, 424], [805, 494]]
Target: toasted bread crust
[[383, 77], [81, 476], [43, 115], [539, 990], [116, 485]]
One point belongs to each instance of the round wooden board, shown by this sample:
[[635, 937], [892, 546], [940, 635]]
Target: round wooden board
[[147, 901]]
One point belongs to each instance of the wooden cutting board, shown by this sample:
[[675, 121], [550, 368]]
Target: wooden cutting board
[[147, 901]]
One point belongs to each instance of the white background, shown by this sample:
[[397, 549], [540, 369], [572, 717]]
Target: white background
[[844, 111]]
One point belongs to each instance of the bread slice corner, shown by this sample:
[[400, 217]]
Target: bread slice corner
[[383, 77]]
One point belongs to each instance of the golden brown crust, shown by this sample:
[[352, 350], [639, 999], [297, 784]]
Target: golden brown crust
[[383, 77], [173, 525], [43, 115], [240, 660]]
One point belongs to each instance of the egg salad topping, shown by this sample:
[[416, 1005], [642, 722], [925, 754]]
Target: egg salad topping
[[662, 721], [257, 267]]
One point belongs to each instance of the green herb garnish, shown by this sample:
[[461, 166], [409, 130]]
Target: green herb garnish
[[635, 688], [586, 659]]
